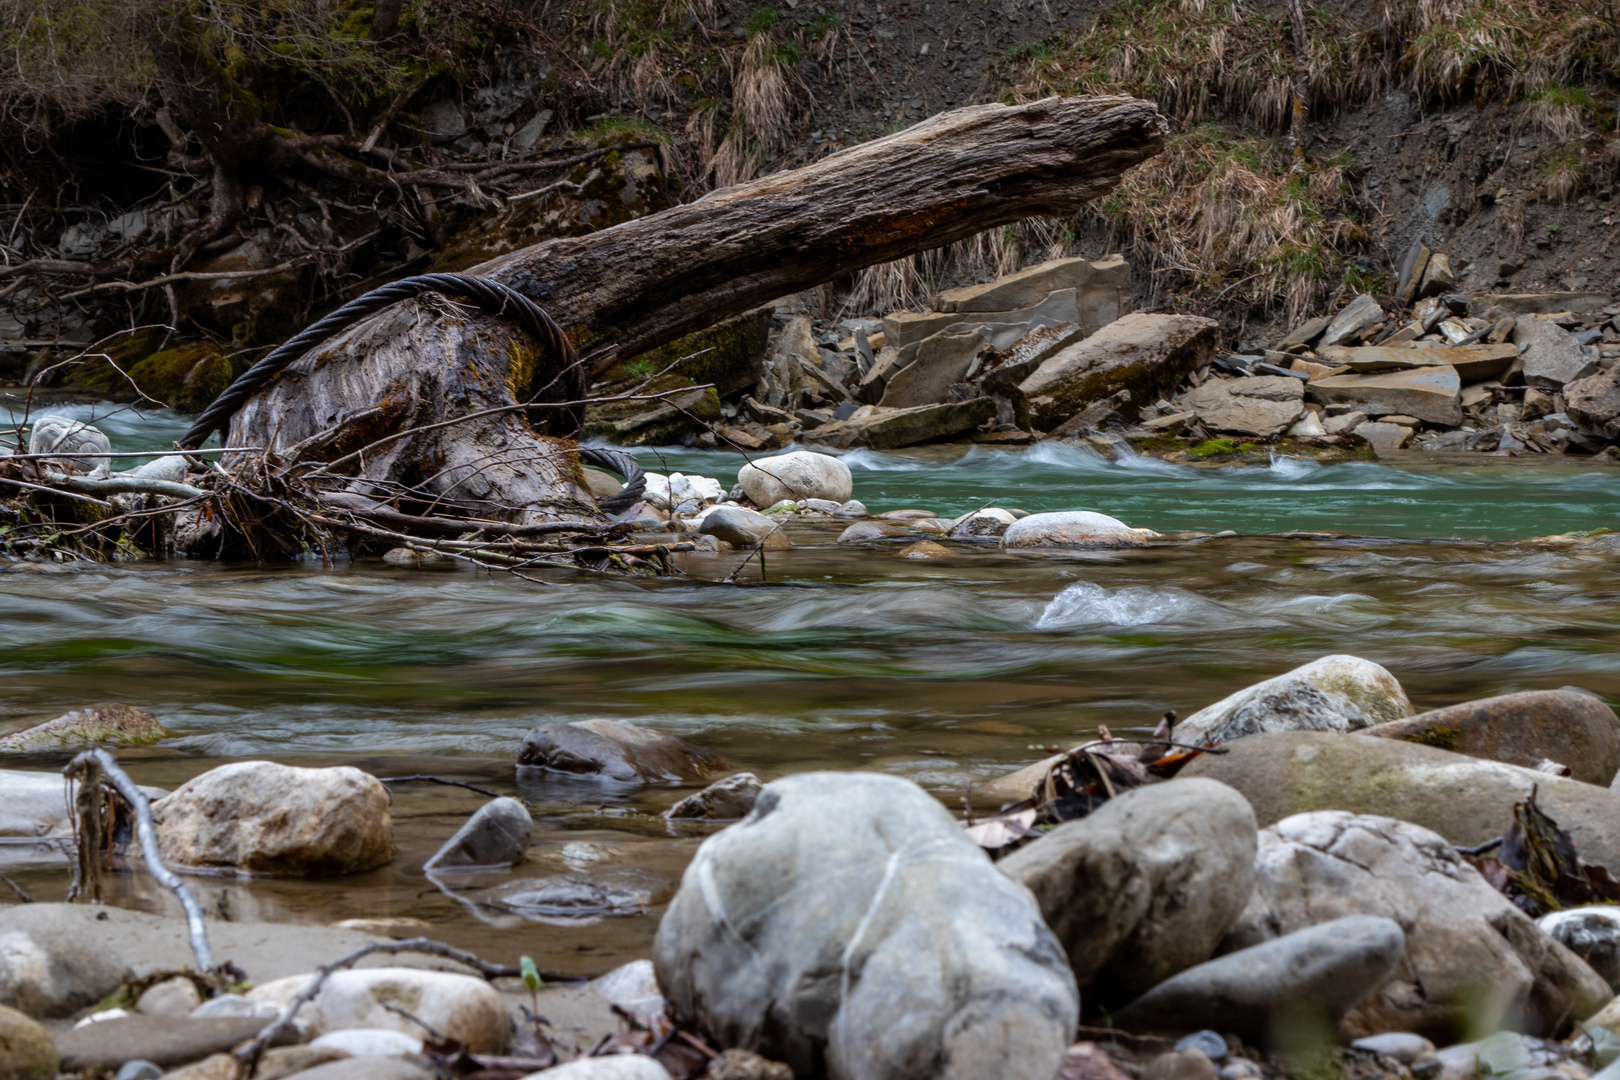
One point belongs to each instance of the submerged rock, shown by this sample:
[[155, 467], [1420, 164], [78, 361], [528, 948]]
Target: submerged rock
[[105, 723], [615, 750], [739, 526], [1145, 887], [1335, 693], [1566, 726], [723, 800], [925, 549], [497, 835], [460, 1006], [273, 819], [27, 1051], [1072, 528], [1315, 974], [987, 524], [802, 474], [848, 925], [1471, 956]]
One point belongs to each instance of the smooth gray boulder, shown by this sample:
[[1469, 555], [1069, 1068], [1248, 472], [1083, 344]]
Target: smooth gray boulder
[[1335, 693], [1145, 887], [724, 800], [802, 474], [848, 926], [1472, 958], [497, 835], [737, 525], [1309, 976], [615, 750], [1072, 529]]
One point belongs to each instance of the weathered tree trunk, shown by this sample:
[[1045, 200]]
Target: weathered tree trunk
[[1301, 81], [649, 281]]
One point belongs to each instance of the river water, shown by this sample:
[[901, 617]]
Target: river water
[[840, 658]]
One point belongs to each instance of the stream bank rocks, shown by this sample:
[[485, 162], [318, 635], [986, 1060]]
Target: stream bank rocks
[[1569, 727], [1145, 887], [848, 925], [724, 800], [1072, 529], [1335, 693], [460, 1006], [1299, 979], [265, 818], [107, 723], [615, 750], [497, 835], [1471, 956]]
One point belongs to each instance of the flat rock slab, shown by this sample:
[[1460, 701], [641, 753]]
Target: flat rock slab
[[1473, 362], [1552, 356], [904, 427], [614, 750], [1464, 799], [1359, 315], [1544, 303], [1428, 393], [1110, 277], [106, 723], [1149, 355], [1566, 726], [1323, 970], [1260, 405], [163, 1040]]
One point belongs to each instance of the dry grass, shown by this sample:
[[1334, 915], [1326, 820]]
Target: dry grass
[[1222, 221], [911, 282]]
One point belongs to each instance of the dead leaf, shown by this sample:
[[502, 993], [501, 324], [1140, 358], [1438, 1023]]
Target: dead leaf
[[1088, 1061], [998, 832]]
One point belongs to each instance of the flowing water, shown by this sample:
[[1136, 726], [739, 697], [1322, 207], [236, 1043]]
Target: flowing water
[[841, 657]]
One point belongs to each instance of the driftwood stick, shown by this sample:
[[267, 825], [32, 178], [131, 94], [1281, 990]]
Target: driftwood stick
[[126, 485], [136, 798]]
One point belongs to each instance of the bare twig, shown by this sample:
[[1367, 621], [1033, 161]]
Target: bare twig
[[421, 778]]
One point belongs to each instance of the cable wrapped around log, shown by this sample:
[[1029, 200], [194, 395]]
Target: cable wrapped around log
[[635, 481], [570, 383]]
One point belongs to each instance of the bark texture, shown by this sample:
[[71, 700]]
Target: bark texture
[[649, 281]]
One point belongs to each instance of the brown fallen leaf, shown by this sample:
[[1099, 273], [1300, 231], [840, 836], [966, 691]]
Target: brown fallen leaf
[[1088, 1061]]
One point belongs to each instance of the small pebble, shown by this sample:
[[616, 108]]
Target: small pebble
[[1181, 1065], [1403, 1046], [1213, 1046], [139, 1070]]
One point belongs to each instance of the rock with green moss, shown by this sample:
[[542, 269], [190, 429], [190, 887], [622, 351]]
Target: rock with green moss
[[729, 354], [106, 723], [1336, 693]]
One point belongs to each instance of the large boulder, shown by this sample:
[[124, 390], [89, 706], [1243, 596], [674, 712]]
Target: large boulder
[[1072, 529], [1552, 356], [739, 526], [1471, 955], [1432, 392], [1574, 729], [279, 820], [615, 750], [1102, 291], [941, 361], [1335, 693], [1302, 979], [848, 926], [27, 1051], [462, 1007], [1149, 355], [1261, 405], [106, 723], [497, 835], [892, 429], [1464, 799], [1594, 403], [1145, 887], [802, 474]]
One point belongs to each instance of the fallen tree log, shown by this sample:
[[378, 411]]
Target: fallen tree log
[[646, 282]]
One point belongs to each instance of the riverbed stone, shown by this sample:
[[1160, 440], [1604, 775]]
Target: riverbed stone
[[615, 750], [165, 1041], [926, 549], [803, 474], [1146, 886], [724, 800], [1471, 955], [738, 526], [1432, 393], [1334, 693], [613, 1067], [1318, 973], [1464, 799], [366, 1042], [1382, 436], [1591, 933], [866, 532], [1149, 355], [106, 723], [27, 1051], [171, 997], [848, 925], [372, 1067], [460, 1006], [496, 835], [1260, 405], [1552, 356], [1071, 529], [991, 523], [1402, 1046], [33, 805], [891, 429], [277, 1063], [1567, 726], [279, 820]]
